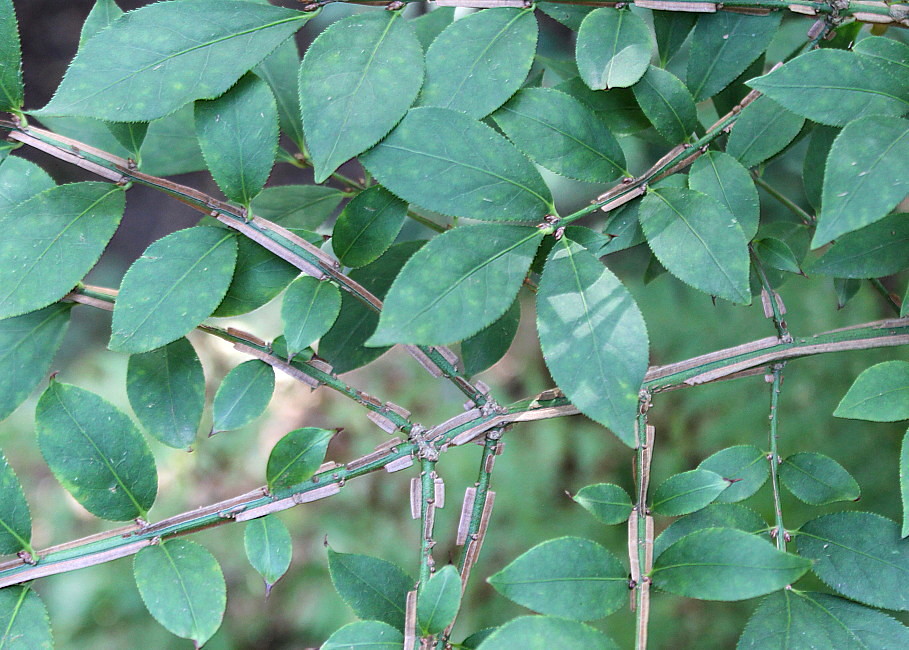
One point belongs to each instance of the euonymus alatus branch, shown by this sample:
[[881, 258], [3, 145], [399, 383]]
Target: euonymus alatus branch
[[396, 454]]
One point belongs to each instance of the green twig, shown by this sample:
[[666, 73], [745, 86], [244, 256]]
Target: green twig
[[640, 538], [778, 532]]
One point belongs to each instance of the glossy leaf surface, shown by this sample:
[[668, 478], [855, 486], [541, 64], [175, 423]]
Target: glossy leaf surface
[[723, 45], [96, 452], [879, 394], [725, 564], [867, 175], [280, 70], [15, 517], [613, 48], [538, 632], [569, 577], [607, 502], [365, 635], [52, 240], [297, 206], [357, 64], [722, 177], [183, 588], [687, 492], [593, 337], [667, 104], [763, 129], [238, 133], [879, 249], [309, 309], [269, 548], [561, 134], [447, 162], [375, 589], [23, 620], [489, 345], [835, 87], [796, 620], [368, 226], [716, 515], [296, 457], [20, 180], [464, 70], [860, 555], [435, 298], [745, 466], [176, 284], [818, 479], [12, 90], [166, 389], [698, 240], [166, 58], [28, 344], [243, 395], [439, 600], [259, 276]]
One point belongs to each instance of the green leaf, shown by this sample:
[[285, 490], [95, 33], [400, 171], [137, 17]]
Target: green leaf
[[23, 620], [15, 517], [613, 48], [616, 107], [860, 555], [723, 178], [867, 176], [725, 564], [845, 290], [52, 240], [176, 284], [171, 146], [569, 15], [667, 104], [365, 635], [570, 577], [776, 254], [238, 133], [20, 180], [96, 452], [904, 483], [764, 129], [165, 61], [544, 632], [182, 587], [166, 388], [434, 300], [28, 344], [879, 394], [464, 70], [279, 70], [269, 548], [698, 240], [671, 30], [474, 172], [489, 345], [356, 65], [438, 602], [624, 228], [297, 206], [744, 465], [428, 26], [607, 502], [103, 13], [886, 49], [343, 345], [687, 492], [835, 87], [296, 457], [129, 134], [795, 620], [12, 90], [876, 250], [243, 395], [367, 226], [561, 134], [374, 588], [722, 46], [716, 515], [259, 276], [593, 337], [817, 479], [309, 309], [822, 138]]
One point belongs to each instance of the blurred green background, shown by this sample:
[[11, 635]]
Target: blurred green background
[[542, 462]]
